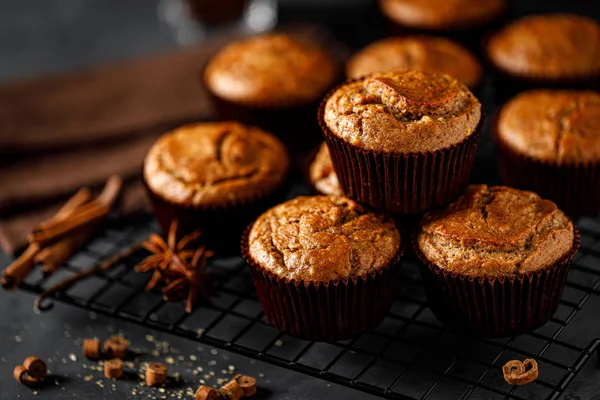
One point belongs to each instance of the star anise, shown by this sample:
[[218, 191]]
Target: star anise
[[178, 267]]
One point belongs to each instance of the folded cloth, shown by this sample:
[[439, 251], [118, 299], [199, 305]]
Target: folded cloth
[[37, 180], [105, 103]]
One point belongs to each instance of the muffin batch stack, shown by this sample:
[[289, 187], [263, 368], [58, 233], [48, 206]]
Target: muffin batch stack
[[400, 137]]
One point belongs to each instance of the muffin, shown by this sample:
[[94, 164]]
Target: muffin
[[495, 262], [322, 176], [202, 173], [422, 53], [324, 267], [549, 142], [274, 81], [402, 141], [560, 50], [463, 20]]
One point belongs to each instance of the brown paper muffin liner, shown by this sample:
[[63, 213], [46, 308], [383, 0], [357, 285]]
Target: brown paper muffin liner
[[221, 224], [325, 311], [495, 307], [574, 187], [406, 183]]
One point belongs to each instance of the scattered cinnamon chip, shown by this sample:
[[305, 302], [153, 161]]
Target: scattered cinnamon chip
[[247, 383], [35, 367], [21, 375], [231, 391], [207, 393], [156, 373], [240, 386], [520, 373], [116, 347], [113, 369], [91, 349]]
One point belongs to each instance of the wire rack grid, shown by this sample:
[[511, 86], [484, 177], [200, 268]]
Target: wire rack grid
[[411, 355]]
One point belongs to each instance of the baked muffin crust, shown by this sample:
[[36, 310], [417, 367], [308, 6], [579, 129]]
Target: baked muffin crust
[[403, 112], [322, 238], [322, 174], [548, 47], [422, 53], [273, 70], [553, 125], [496, 231], [442, 15], [208, 163]]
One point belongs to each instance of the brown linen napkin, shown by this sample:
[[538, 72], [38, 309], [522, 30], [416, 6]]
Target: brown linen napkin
[[105, 103], [36, 180]]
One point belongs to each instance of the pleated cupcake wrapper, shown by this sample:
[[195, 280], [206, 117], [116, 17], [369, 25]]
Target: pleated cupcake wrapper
[[221, 224], [407, 183], [324, 311], [495, 307], [574, 187]]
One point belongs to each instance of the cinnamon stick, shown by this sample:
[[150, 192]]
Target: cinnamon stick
[[81, 197], [85, 215], [14, 274], [57, 254]]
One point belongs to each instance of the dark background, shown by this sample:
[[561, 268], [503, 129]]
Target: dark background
[[38, 37]]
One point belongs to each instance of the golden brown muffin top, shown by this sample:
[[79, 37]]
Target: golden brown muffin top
[[442, 14], [553, 125], [322, 175], [423, 53], [496, 231], [215, 163], [322, 238], [403, 112], [548, 47], [273, 70]]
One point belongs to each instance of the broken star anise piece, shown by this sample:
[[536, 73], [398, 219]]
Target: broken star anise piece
[[177, 266]]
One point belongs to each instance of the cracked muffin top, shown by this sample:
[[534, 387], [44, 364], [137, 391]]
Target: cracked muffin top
[[548, 46], [273, 70], [403, 112], [496, 231], [423, 53], [322, 238], [552, 125], [322, 175], [207, 163], [442, 15]]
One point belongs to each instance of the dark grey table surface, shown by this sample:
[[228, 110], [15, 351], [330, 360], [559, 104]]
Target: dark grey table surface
[[43, 36]]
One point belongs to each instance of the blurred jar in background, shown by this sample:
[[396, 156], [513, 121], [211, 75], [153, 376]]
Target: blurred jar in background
[[192, 20], [211, 12]]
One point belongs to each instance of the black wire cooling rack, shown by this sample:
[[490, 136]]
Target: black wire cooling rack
[[410, 355]]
